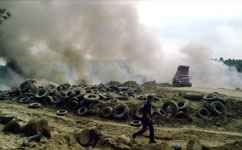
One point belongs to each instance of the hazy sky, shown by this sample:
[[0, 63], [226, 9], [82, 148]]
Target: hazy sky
[[216, 24]]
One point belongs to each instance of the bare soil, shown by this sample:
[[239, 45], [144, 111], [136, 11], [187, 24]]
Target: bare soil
[[222, 132]]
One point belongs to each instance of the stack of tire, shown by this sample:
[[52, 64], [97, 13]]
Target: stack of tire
[[118, 112], [170, 108], [216, 107]]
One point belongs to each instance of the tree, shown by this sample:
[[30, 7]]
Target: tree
[[221, 59], [4, 15]]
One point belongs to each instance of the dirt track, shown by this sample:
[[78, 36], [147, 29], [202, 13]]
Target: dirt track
[[214, 132]]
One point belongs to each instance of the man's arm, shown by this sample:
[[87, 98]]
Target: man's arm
[[147, 115]]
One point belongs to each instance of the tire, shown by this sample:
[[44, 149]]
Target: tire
[[210, 97], [93, 98], [61, 112], [82, 111], [32, 138], [107, 112], [162, 112], [120, 111], [25, 86], [182, 105], [51, 88], [34, 105], [24, 100], [139, 112], [171, 103], [180, 114], [203, 113], [74, 104], [41, 94], [193, 96], [136, 123], [48, 100], [4, 96], [217, 108]]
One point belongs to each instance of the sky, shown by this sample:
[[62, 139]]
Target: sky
[[216, 24]]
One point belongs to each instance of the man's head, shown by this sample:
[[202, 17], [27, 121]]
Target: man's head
[[150, 98]]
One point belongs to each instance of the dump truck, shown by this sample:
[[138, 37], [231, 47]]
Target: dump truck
[[182, 78]]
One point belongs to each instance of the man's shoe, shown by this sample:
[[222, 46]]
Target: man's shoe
[[152, 142]]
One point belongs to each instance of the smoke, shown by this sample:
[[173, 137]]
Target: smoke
[[97, 42], [42, 37], [206, 72]]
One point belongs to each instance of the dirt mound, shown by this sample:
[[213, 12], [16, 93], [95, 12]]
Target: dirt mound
[[130, 84], [114, 83]]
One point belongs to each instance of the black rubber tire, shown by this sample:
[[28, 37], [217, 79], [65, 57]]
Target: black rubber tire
[[120, 111], [25, 86], [61, 112], [34, 105], [74, 104], [82, 111], [218, 108], [51, 88], [48, 100], [210, 97], [136, 123], [193, 96], [171, 103], [107, 112], [93, 98], [182, 104], [36, 137], [69, 94], [180, 114], [203, 113], [162, 112], [24, 100], [41, 94], [139, 112]]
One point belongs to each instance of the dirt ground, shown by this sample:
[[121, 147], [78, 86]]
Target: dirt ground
[[222, 132]]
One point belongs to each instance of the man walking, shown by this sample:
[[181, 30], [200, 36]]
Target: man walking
[[147, 120]]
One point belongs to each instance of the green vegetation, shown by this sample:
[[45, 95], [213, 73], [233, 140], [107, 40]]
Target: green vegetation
[[237, 63], [4, 15]]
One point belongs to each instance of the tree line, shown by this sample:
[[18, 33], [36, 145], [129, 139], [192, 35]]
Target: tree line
[[237, 63]]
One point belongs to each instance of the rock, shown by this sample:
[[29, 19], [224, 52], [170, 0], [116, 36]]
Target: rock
[[194, 144], [12, 126], [121, 146], [5, 118], [88, 136], [123, 139], [37, 125]]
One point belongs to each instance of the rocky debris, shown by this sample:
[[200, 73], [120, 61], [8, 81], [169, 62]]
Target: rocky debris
[[165, 84], [88, 136], [130, 84], [194, 144], [6, 117], [149, 83], [36, 126], [114, 83], [13, 126]]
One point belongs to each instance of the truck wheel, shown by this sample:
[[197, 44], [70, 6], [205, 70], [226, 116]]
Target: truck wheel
[[24, 100], [173, 105], [34, 105]]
